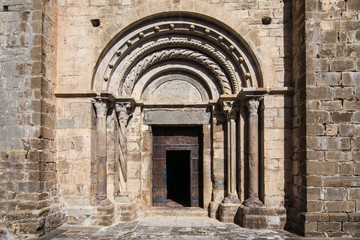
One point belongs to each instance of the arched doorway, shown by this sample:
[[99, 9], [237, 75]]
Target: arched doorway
[[180, 70]]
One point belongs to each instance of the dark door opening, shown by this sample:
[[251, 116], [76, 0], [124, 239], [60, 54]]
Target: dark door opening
[[177, 167], [178, 178]]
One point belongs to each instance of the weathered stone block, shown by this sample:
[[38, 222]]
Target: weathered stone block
[[354, 193], [352, 227], [314, 181], [338, 217], [331, 105], [350, 78], [314, 217], [311, 226], [354, 217], [346, 168], [227, 212], [320, 93], [329, 227], [314, 206], [355, 143], [352, 105], [340, 206], [344, 93], [341, 117], [322, 168], [318, 117], [335, 194], [316, 129]]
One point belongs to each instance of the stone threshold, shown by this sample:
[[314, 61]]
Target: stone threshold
[[177, 211]]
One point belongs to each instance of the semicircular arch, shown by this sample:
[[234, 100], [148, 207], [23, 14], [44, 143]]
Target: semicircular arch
[[176, 35]]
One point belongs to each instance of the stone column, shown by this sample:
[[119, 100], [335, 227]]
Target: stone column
[[101, 153], [124, 114], [231, 113], [253, 199]]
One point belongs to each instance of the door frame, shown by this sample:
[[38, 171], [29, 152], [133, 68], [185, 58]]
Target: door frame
[[177, 142], [147, 162]]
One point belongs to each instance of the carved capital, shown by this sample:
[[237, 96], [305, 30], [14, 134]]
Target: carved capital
[[253, 106], [229, 109], [101, 107], [124, 107], [124, 112]]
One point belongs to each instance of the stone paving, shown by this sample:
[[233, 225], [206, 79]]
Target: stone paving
[[162, 228]]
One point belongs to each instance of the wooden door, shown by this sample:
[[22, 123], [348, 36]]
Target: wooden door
[[159, 171], [176, 139]]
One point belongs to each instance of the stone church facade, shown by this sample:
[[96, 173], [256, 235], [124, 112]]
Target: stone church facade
[[242, 110]]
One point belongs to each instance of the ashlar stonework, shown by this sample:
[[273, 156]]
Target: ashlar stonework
[[243, 111]]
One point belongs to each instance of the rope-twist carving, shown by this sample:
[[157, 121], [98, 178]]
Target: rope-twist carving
[[186, 43], [176, 53]]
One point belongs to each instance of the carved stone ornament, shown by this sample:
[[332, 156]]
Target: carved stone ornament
[[177, 53], [191, 44], [101, 107], [124, 112], [229, 109], [253, 105]]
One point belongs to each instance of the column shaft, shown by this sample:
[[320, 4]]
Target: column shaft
[[232, 155], [253, 198], [230, 113], [101, 157], [253, 156], [101, 152]]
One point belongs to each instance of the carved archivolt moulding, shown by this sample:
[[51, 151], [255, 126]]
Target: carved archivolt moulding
[[210, 44], [219, 60], [176, 53]]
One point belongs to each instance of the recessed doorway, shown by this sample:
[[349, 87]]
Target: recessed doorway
[[177, 167]]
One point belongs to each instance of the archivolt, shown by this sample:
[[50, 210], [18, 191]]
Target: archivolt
[[224, 82], [176, 35], [176, 53]]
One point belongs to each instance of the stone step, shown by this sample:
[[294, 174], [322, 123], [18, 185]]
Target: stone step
[[169, 211]]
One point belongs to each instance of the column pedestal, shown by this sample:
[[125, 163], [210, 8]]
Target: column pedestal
[[102, 215], [228, 212], [125, 208], [261, 218]]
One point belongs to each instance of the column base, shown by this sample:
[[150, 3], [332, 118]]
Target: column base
[[125, 209], [213, 209], [102, 215], [253, 202], [261, 217], [101, 202], [228, 211]]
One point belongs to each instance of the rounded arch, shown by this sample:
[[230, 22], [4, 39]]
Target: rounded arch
[[199, 77], [176, 35]]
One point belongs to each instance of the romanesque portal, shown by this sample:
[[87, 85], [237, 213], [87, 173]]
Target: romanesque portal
[[244, 111], [179, 107]]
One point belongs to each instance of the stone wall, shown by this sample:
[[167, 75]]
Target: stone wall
[[28, 196], [326, 186]]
